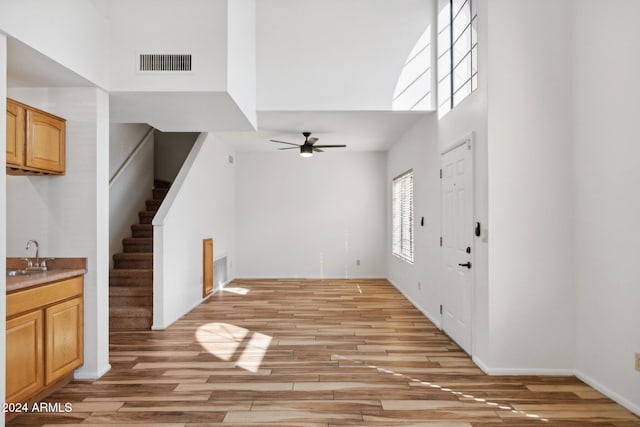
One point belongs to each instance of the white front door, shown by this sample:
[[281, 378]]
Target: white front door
[[457, 239]]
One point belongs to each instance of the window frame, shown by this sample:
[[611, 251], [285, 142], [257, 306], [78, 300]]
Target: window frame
[[403, 238], [450, 92]]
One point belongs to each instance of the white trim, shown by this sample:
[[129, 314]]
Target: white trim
[[633, 407], [416, 305], [521, 371], [82, 375], [468, 138]]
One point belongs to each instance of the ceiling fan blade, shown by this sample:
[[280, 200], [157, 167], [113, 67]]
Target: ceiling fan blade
[[312, 140], [317, 150], [329, 146], [282, 142], [288, 148]]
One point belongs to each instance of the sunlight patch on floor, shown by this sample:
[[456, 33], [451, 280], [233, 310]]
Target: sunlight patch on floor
[[225, 341], [235, 290]]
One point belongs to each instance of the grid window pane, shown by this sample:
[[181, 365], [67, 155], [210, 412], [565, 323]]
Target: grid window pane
[[457, 52]]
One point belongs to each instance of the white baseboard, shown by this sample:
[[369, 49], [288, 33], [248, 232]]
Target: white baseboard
[[633, 407], [83, 375], [521, 371], [416, 305]]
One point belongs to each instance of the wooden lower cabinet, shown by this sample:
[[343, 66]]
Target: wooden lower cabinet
[[63, 338], [25, 361], [44, 338]]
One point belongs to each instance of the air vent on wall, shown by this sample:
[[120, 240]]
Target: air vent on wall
[[154, 62]]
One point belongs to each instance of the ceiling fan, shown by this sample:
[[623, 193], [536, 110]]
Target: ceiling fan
[[308, 148]]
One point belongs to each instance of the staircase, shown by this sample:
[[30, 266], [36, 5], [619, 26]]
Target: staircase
[[131, 280]]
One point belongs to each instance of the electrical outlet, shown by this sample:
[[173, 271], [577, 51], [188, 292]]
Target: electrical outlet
[[637, 361], [357, 262]]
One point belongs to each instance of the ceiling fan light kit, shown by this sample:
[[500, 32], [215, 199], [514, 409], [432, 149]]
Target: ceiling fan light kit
[[308, 148], [306, 151]]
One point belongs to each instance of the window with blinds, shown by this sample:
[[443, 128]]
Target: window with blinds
[[402, 221], [457, 52]]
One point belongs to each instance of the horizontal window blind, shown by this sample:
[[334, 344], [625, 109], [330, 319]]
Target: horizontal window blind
[[402, 218]]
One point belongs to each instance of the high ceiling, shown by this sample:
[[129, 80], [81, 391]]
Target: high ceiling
[[359, 130]]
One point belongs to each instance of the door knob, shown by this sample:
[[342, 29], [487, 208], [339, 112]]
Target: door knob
[[467, 264]]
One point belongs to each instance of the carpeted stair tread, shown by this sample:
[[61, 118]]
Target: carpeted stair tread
[[117, 322], [153, 205], [146, 217], [142, 230], [137, 244], [160, 193], [133, 260], [131, 277]]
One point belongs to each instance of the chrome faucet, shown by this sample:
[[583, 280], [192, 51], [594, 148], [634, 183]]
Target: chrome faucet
[[37, 264]]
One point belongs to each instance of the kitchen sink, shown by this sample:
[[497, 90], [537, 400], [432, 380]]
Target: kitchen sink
[[12, 273]]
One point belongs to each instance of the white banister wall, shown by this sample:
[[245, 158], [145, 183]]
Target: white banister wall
[[133, 183], [203, 197]]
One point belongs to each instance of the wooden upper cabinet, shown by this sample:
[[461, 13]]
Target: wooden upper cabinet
[[16, 138], [35, 141], [45, 147]]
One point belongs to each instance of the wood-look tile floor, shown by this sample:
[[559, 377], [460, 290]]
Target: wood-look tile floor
[[314, 353]]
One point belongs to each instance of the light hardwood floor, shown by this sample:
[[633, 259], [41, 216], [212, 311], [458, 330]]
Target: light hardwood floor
[[314, 353]]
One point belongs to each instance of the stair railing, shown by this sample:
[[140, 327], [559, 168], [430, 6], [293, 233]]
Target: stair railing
[[146, 138]]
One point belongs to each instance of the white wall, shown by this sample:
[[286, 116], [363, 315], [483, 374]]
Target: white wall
[[71, 32], [123, 138], [66, 214], [418, 149], [3, 214], [607, 208], [312, 217], [335, 55], [171, 150], [241, 61], [131, 187], [202, 197], [531, 292], [198, 27]]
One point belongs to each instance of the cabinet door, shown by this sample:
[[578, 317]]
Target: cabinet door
[[45, 148], [63, 339], [207, 267], [15, 134], [24, 366]]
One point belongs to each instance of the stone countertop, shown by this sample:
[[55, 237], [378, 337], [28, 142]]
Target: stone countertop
[[59, 269]]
